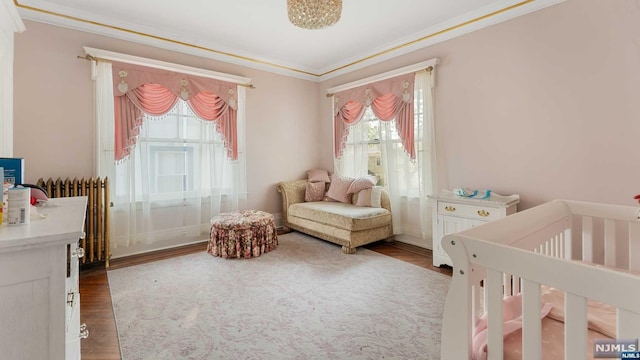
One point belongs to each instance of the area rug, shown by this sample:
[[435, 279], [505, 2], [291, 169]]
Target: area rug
[[303, 300]]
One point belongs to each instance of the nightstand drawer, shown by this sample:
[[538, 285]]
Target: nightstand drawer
[[478, 212]]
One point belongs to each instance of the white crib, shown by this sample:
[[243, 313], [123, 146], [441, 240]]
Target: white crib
[[540, 246]]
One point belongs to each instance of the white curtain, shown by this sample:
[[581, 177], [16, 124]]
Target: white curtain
[[354, 160], [407, 182], [103, 90], [148, 212], [102, 76]]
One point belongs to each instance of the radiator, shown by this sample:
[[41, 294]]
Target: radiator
[[96, 243]]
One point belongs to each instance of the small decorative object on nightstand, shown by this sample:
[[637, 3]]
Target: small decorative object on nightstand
[[453, 213]]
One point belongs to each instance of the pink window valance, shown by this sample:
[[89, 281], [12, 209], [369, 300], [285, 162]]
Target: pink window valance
[[139, 89], [390, 99]]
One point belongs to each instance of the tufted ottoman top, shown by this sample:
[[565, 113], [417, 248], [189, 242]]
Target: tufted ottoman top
[[244, 219]]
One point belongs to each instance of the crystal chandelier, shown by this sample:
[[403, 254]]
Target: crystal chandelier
[[314, 14]]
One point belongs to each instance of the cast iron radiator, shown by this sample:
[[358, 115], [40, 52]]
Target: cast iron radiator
[[96, 243]]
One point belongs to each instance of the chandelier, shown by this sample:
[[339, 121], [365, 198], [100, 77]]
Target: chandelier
[[314, 14]]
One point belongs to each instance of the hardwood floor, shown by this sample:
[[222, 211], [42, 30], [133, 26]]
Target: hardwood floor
[[96, 310]]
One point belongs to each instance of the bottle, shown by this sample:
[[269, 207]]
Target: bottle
[[19, 212]]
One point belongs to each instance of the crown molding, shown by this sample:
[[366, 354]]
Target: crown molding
[[9, 15], [424, 65], [462, 25], [470, 22]]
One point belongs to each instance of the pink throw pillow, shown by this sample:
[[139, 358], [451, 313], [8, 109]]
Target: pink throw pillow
[[327, 198], [338, 188], [361, 183], [315, 175], [314, 191]]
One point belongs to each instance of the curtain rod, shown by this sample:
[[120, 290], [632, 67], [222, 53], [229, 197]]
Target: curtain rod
[[112, 56], [428, 65]]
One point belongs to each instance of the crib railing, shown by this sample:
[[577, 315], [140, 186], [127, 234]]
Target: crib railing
[[608, 234], [526, 250], [96, 242]]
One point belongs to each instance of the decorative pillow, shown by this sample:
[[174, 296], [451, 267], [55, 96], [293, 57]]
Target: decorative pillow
[[327, 198], [371, 197], [315, 175], [314, 191], [338, 188], [361, 183], [376, 196]]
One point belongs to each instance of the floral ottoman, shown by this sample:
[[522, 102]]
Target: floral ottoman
[[242, 234]]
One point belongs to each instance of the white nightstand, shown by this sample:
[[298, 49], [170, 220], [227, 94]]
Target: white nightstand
[[39, 290], [452, 213]]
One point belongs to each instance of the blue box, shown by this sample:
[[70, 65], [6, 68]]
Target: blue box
[[13, 170]]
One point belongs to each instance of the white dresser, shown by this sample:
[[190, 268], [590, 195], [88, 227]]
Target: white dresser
[[39, 298], [452, 213]]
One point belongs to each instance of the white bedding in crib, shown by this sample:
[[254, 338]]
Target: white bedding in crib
[[552, 341], [600, 317]]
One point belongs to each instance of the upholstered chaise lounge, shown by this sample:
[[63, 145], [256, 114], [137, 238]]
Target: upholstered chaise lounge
[[342, 223]]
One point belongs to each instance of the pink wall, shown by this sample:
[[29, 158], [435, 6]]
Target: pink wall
[[545, 105], [53, 114]]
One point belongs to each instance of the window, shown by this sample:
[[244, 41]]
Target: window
[[369, 126], [170, 151], [375, 147], [371, 130], [171, 173], [171, 168]]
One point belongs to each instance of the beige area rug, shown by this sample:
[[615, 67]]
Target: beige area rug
[[304, 300]]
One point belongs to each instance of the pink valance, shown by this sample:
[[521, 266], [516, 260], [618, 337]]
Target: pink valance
[[139, 90], [390, 99], [209, 106], [128, 77]]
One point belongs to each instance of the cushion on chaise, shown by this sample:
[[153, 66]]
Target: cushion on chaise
[[340, 215]]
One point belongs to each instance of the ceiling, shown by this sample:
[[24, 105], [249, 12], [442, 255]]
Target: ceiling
[[258, 34]]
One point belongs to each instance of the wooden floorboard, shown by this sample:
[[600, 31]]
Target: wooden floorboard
[[97, 312]]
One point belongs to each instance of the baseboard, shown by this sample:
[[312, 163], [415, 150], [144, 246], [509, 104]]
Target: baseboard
[[277, 218], [414, 240]]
